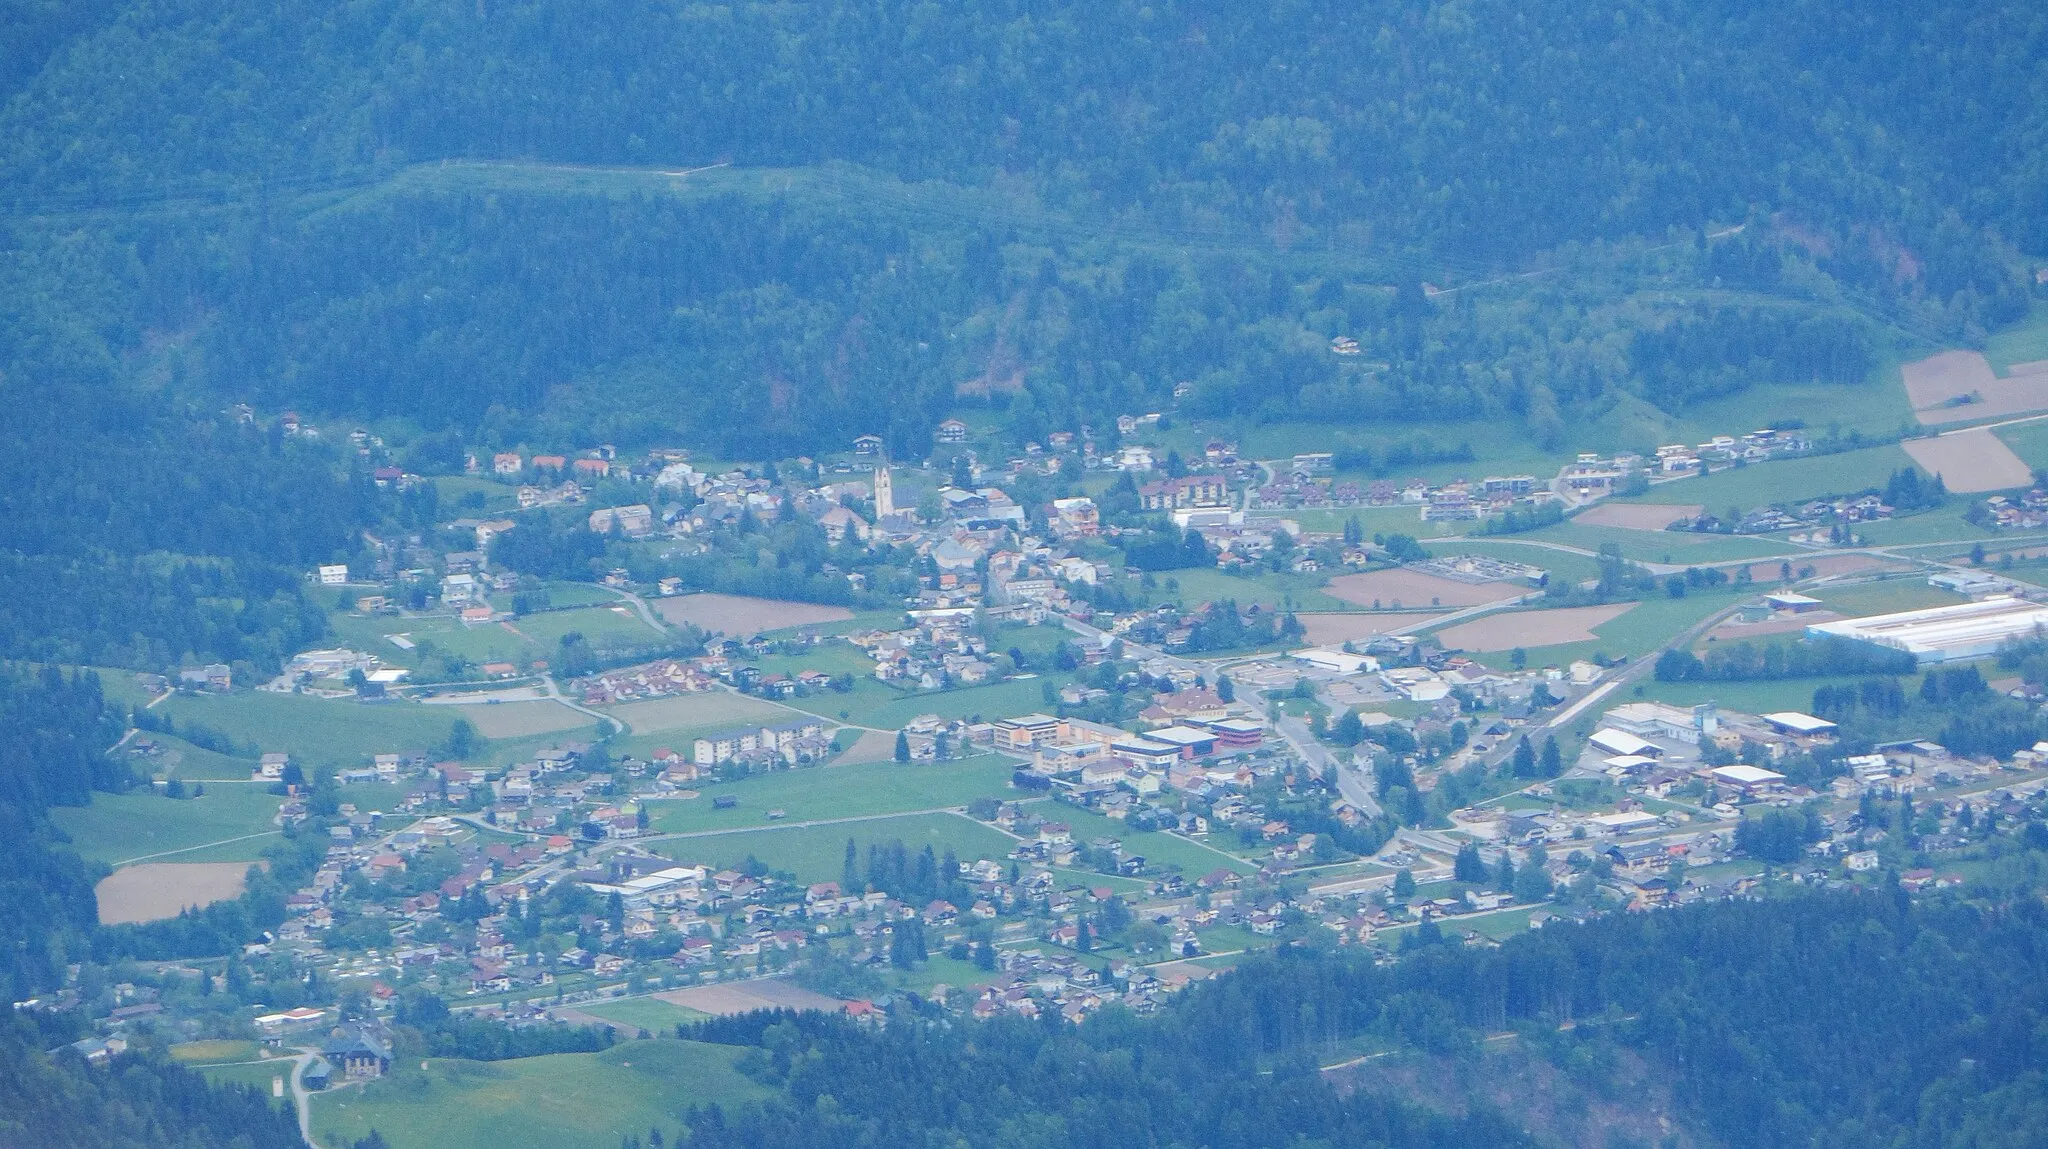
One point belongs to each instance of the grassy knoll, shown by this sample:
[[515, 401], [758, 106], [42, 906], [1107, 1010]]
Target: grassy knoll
[[118, 827], [562, 1101], [817, 853], [837, 792], [317, 731], [1784, 480], [652, 1014]]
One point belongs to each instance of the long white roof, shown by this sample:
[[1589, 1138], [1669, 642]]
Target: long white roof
[[1942, 628]]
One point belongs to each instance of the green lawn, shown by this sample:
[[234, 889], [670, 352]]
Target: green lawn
[[1682, 547], [317, 731], [1943, 524], [1784, 480], [837, 792], [885, 708], [562, 1101], [119, 827], [1159, 848], [825, 658], [609, 620], [1267, 589], [206, 1052], [2028, 440], [258, 1074], [1747, 697], [1375, 521], [181, 759], [652, 1014], [1885, 597], [861, 620], [2023, 342], [818, 853]]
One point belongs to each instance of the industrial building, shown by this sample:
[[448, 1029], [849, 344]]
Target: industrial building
[[1944, 633]]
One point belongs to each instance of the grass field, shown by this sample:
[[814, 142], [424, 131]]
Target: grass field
[[861, 620], [1649, 625], [181, 759], [652, 1014], [2023, 342], [119, 827], [258, 1074], [870, 703], [1748, 697], [223, 1049], [1269, 589], [563, 1101], [2028, 440], [1160, 849], [696, 712], [1784, 480], [606, 621], [818, 853], [1885, 597], [316, 731], [837, 792], [1682, 547], [1942, 524]]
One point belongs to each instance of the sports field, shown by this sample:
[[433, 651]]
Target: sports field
[[562, 1101]]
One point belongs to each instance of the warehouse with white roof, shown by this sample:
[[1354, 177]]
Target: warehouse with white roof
[[1944, 633]]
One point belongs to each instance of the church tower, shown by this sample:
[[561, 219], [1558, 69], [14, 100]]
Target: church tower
[[885, 494]]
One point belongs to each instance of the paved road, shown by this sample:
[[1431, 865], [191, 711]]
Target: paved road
[[647, 614], [555, 692], [301, 1100]]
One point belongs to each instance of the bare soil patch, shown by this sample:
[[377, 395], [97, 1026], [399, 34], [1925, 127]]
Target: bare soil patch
[[1735, 631], [522, 719], [1403, 587], [1337, 629], [747, 996], [154, 891], [1970, 461], [1532, 627], [1636, 516], [871, 746], [1934, 381], [732, 614]]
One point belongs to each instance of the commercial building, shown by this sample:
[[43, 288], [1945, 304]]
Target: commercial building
[[1944, 633]]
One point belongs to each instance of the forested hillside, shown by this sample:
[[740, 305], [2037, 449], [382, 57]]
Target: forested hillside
[[1066, 209], [1814, 1019]]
